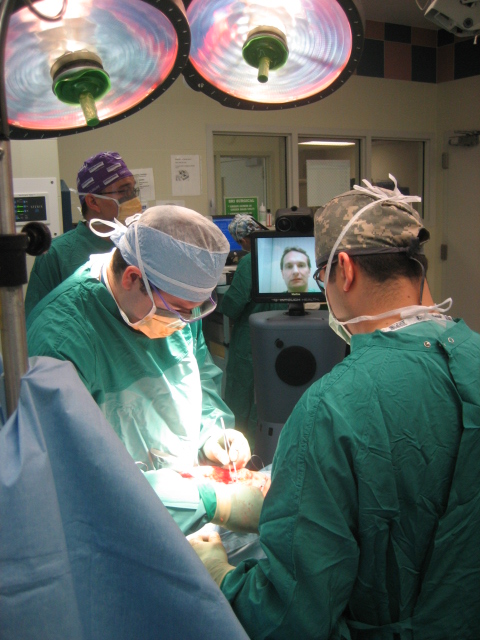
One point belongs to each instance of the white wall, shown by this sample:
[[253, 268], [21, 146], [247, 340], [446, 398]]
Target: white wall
[[177, 123], [458, 196], [36, 159]]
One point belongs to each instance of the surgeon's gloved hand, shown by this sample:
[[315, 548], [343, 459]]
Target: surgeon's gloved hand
[[238, 507], [210, 550], [238, 448]]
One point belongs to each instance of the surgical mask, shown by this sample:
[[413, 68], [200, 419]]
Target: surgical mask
[[404, 312], [125, 208], [338, 327], [128, 209], [152, 325]]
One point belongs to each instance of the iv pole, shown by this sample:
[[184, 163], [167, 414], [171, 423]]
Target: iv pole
[[13, 274]]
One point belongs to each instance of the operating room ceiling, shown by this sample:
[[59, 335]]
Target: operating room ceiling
[[405, 12]]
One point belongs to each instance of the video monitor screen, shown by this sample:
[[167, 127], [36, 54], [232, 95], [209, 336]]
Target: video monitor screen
[[283, 265], [222, 223]]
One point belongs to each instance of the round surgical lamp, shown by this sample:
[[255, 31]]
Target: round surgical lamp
[[68, 66], [265, 54], [101, 62]]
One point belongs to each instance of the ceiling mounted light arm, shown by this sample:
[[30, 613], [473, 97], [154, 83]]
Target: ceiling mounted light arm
[[265, 49], [321, 42], [79, 78]]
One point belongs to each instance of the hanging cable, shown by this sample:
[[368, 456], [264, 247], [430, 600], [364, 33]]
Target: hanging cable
[[424, 6]]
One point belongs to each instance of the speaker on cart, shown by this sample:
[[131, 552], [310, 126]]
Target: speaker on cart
[[289, 354], [299, 219]]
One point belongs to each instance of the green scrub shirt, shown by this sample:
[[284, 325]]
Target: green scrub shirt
[[371, 525], [238, 305], [162, 394], [67, 253]]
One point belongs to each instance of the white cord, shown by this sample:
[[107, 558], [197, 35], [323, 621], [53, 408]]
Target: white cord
[[424, 6]]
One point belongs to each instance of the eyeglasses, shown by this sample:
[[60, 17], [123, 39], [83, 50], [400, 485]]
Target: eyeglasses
[[319, 275], [197, 313], [126, 193]]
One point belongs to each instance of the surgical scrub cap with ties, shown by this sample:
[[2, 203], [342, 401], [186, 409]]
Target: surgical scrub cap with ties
[[243, 225], [389, 225], [182, 252], [99, 171]]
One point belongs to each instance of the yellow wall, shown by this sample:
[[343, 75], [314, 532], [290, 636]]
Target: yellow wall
[[180, 120], [177, 123]]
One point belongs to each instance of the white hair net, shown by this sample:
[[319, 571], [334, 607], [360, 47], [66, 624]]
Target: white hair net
[[182, 252]]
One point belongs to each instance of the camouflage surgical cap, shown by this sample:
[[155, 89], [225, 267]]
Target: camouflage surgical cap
[[385, 227]]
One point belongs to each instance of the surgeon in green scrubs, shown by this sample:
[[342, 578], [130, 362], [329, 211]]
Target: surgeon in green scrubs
[[237, 304], [107, 190], [371, 525], [130, 322]]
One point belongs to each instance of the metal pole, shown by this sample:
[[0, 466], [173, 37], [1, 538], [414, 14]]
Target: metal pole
[[13, 331], [14, 340]]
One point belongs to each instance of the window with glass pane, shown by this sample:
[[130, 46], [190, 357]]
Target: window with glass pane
[[326, 168]]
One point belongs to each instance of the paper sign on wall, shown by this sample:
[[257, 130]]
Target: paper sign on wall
[[186, 175]]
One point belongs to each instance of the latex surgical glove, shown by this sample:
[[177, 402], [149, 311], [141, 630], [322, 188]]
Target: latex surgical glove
[[210, 550], [238, 507], [239, 449]]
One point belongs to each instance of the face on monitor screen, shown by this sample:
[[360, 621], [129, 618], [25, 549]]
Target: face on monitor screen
[[283, 265]]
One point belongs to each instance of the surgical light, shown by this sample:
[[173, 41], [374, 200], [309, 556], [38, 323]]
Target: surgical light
[[68, 66], [102, 61], [269, 54]]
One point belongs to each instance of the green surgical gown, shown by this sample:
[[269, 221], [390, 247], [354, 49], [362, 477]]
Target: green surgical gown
[[162, 394], [371, 527], [237, 304], [67, 253]]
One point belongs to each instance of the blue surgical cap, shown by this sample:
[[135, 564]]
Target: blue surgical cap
[[182, 252]]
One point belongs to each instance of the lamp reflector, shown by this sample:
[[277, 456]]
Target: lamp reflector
[[142, 46], [323, 44]]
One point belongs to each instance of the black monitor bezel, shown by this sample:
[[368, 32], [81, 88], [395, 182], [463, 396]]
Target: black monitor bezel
[[281, 296]]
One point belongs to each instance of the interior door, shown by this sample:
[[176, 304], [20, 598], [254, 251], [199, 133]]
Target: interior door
[[461, 271], [250, 165]]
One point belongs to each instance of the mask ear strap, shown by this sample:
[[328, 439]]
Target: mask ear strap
[[141, 267], [412, 251], [115, 226], [133, 218]]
